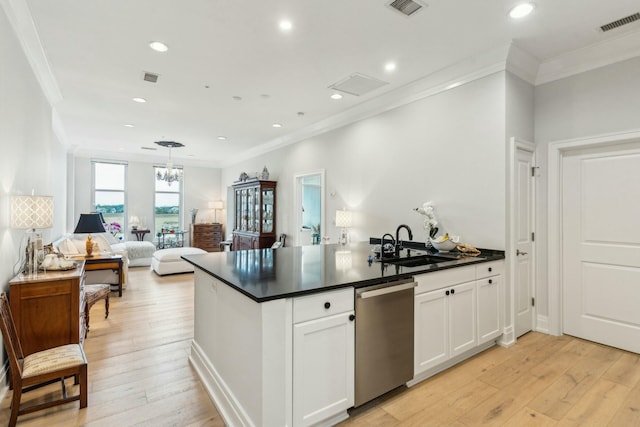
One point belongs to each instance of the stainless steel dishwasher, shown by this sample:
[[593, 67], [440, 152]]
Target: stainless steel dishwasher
[[384, 338]]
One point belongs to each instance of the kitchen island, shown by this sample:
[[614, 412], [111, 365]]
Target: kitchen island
[[273, 329]]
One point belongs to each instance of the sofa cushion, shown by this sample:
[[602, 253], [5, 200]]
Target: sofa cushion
[[67, 247], [174, 254]]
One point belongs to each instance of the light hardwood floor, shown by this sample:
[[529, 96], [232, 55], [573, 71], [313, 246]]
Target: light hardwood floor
[[139, 374]]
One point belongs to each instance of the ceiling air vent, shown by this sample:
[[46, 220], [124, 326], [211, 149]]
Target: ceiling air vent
[[357, 84], [150, 77], [406, 7], [620, 22]]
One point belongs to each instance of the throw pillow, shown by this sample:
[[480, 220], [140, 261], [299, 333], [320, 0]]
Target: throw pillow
[[67, 247], [103, 245]]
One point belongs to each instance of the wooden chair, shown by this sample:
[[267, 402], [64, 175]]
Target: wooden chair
[[40, 368], [93, 294]]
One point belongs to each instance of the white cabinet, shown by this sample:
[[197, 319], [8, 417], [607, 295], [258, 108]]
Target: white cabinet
[[431, 329], [323, 356], [489, 285], [456, 310], [445, 324], [462, 318]]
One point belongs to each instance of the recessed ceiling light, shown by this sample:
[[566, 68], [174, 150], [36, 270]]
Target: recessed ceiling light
[[129, 125], [390, 66], [222, 138], [158, 46], [276, 125], [285, 25], [336, 96], [140, 100], [521, 10]]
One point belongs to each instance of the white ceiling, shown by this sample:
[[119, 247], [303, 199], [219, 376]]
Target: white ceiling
[[97, 52]]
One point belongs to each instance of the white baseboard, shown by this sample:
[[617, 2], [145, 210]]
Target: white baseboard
[[542, 325], [230, 409], [508, 337], [4, 382]]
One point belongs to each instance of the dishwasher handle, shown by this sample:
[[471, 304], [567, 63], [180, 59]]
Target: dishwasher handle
[[387, 290]]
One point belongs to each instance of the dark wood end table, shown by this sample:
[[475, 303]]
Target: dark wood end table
[[140, 233], [104, 262]]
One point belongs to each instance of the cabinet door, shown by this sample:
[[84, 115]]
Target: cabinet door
[[323, 371], [489, 314], [462, 318], [431, 329]]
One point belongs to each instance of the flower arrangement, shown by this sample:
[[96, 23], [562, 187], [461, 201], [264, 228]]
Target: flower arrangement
[[430, 221], [113, 227]]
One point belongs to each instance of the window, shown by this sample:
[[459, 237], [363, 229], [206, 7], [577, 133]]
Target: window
[[109, 195], [168, 203]]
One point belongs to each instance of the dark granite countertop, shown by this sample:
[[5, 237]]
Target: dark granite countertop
[[268, 274]]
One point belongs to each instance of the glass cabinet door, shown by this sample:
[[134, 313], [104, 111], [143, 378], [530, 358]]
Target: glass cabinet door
[[238, 216], [267, 210], [250, 211], [243, 209]]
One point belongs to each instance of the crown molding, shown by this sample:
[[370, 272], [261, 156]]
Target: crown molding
[[157, 158], [522, 64], [448, 78], [20, 18], [607, 52]]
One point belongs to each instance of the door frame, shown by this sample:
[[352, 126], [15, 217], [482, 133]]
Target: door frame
[[556, 152], [508, 336], [297, 201]]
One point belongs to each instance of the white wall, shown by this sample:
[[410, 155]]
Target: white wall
[[200, 185], [604, 100], [32, 158], [448, 148]]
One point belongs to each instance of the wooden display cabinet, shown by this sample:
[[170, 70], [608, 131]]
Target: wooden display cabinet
[[48, 308], [255, 214], [206, 236]]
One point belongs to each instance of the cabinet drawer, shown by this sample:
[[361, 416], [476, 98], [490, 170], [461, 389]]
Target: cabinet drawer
[[323, 304], [440, 279], [487, 269]]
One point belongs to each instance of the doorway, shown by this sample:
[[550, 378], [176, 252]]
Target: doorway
[[520, 244], [309, 206], [593, 239]]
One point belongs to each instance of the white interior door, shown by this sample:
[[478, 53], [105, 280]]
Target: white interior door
[[601, 245], [524, 225]]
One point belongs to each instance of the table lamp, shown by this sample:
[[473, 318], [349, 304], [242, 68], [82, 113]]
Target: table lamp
[[344, 219], [89, 223], [216, 206], [30, 213]]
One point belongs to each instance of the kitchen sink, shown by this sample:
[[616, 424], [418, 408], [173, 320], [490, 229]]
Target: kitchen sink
[[416, 261]]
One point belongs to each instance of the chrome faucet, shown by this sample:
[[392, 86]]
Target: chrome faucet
[[398, 241]]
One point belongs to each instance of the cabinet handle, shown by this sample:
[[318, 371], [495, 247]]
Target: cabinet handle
[[352, 317], [490, 281], [327, 305], [446, 293], [490, 269], [453, 291]]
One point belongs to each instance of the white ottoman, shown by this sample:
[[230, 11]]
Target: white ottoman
[[168, 261]]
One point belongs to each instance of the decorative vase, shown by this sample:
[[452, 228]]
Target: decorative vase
[[265, 174]]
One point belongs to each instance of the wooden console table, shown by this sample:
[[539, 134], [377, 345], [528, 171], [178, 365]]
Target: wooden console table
[[104, 262], [48, 308], [140, 234]]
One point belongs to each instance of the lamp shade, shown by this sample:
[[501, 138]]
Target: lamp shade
[[89, 223], [218, 204], [344, 218], [31, 212]]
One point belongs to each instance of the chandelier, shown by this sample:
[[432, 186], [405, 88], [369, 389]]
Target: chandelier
[[170, 174]]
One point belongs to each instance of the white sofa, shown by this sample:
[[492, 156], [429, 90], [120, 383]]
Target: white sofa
[[74, 244]]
